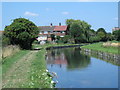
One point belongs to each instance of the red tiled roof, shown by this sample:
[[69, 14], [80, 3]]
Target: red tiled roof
[[60, 28]]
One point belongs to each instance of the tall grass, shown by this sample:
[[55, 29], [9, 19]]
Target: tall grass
[[9, 50]]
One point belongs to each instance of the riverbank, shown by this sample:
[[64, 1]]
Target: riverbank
[[26, 69], [99, 47], [107, 53]]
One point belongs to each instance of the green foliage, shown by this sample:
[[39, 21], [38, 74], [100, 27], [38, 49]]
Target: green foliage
[[53, 37], [5, 41], [102, 34], [79, 30], [117, 35], [65, 39], [22, 32], [69, 21], [109, 37], [94, 39], [47, 42], [101, 30]]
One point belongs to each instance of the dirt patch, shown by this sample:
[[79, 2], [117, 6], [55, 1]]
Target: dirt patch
[[19, 72]]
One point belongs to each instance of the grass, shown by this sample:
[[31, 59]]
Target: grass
[[50, 45], [39, 77], [99, 47], [32, 72], [8, 62], [28, 66]]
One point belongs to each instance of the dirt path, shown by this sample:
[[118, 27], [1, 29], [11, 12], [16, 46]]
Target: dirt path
[[19, 72]]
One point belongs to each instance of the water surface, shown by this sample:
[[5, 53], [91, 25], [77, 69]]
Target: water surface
[[76, 70]]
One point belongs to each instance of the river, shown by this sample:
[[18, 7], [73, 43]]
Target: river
[[77, 70]]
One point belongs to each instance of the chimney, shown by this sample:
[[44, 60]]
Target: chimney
[[50, 24], [59, 24]]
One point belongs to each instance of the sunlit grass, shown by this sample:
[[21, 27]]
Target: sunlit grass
[[100, 47], [8, 62]]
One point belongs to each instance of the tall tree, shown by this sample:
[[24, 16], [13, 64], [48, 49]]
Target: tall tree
[[102, 34], [101, 30], [22, 32], [79, 30], [76, 32]]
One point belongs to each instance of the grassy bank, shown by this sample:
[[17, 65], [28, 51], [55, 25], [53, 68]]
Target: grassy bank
[[9, 61], [26, 69], [100, 47], [50, 45]]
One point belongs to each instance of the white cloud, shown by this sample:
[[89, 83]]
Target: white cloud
[[30, 14], [65, 13]]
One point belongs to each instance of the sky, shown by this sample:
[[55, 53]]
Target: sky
[[97, 14]]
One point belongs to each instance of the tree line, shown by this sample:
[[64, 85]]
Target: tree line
[[81, 32], [23, 32]]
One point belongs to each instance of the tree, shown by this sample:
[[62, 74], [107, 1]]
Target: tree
[[22, 32], [5, 40], [117, 35], [109, 37], [66, 39], [79, 30], [76, 32], [101, 30], [102, 34]]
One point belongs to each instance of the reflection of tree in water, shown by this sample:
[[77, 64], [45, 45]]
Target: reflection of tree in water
[[75, 59]]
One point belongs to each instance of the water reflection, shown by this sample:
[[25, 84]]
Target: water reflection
[[69, 57], [77, 70]]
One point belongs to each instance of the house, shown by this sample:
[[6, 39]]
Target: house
[[60, 31], [46, 32]]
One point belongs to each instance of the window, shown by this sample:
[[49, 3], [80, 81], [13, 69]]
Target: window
[[46, 32], [40, 33], [62, 32]]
